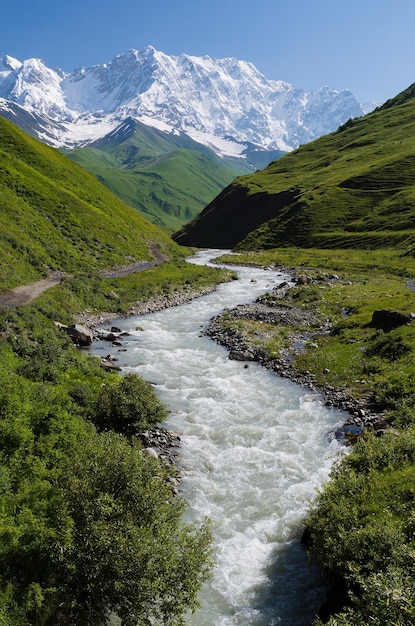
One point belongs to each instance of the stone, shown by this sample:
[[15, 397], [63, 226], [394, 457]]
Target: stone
[[385, 319], [80, 335], [150, 452], [111, 295], [109, 336], [110, 366], [302, 279], [241, 355]]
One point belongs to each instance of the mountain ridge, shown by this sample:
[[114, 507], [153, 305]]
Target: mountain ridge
[[212, 100]]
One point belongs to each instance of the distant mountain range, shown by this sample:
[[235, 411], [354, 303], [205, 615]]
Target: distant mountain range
[[354, 188], [226, 104], [220, 107]]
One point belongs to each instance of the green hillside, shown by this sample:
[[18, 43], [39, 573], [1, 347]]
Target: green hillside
[[169, 178], [352, 188], [56, 216]]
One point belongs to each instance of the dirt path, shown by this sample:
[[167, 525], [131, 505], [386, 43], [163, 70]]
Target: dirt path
[[24, 294]]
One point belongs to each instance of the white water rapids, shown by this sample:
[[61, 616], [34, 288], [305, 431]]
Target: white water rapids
[[254, 449]]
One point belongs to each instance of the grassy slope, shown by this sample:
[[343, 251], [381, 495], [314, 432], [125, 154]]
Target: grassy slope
[[168, 178], [352, 188], [56, 216]]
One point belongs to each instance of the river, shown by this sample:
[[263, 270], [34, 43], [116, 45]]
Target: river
[[255, 447]]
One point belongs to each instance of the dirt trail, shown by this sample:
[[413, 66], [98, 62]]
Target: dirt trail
[[24, 294]]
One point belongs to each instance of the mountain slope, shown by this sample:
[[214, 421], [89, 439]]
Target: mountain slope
[[56, 216], [214, 107], [352, 188], [169, 178]]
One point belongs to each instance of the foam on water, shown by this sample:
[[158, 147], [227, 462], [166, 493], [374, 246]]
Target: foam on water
[[255, 449]]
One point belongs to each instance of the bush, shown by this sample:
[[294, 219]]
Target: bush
[[88, 524], [388, 346], [130, 553], [128, 407], [362, 529]]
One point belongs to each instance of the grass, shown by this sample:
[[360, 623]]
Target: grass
[[362, 523], [346, 288], [89, 292], [56, 216]]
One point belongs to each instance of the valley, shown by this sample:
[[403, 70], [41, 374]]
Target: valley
[[84, 507], [167, 133]]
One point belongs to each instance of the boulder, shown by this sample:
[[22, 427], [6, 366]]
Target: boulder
[[80, 335], [241, 355], [150, 452], [110, 366], [387, 320], [111, 295], [109, 336], [302, 279]]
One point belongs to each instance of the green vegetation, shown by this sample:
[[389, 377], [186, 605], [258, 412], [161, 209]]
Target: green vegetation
[[88, 525], [168, 178], [56, 216], [354, 188], [92, 293], [345, 287], [362, 528], [362, 524]]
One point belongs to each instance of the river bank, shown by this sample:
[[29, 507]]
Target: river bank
[[254, 448], [362, 414], [159, 303]]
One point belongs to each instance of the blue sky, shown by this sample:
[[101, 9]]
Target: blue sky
[[367, 46]]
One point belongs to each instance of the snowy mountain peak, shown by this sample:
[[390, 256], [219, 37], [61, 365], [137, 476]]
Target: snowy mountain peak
[[9, 63], [220, 102]]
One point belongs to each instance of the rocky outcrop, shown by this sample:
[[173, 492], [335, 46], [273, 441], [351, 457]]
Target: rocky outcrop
[[80, 335]]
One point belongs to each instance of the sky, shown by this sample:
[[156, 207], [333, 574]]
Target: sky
[[367, 46]]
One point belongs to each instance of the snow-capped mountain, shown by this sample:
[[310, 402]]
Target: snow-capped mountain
[[222, 103]]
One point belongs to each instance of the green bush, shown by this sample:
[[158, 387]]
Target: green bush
[[363, 529], [128, 407], [388, 346], [129, 552], [88, 524]]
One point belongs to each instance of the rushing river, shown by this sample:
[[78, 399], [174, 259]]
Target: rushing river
[[255, 448]]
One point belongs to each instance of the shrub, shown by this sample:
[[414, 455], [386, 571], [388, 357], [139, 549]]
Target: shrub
[[128, 407], [362, 529], [130, 553]]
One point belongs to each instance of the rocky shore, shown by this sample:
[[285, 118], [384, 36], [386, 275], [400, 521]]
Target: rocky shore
[[165, 301], [361, 414]]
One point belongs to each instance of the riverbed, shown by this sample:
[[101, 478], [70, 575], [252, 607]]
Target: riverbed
[[255, 447]]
